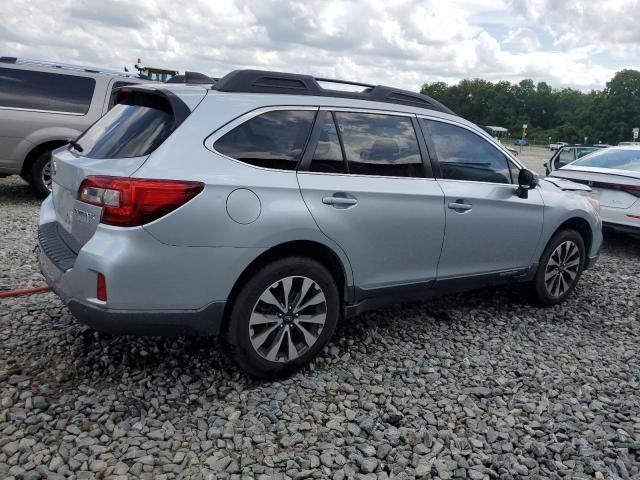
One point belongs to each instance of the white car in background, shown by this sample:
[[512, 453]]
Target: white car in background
[[614, 177]]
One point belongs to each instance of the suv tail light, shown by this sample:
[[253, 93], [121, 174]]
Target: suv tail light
[[129, 202]]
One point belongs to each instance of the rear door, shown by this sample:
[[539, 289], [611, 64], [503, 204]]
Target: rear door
[[364, 181], [489, 229]]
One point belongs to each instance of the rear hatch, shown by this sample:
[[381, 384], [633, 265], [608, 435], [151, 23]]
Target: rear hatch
[[116, 145]]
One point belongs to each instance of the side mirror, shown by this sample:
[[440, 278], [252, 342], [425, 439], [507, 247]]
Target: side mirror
[[527, 180]]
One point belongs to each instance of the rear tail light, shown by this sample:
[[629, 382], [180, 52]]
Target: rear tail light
[[631, 189], [129, 202], [101, 288]]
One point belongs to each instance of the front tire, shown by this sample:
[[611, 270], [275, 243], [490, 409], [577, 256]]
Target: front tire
[[40, 176], [283, 316], [560, 268]]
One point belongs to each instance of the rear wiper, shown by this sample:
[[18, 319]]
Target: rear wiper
[[76, 146]]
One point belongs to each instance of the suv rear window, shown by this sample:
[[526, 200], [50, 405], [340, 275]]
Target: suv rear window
[[134, 127], [271, 140], [53, 92]]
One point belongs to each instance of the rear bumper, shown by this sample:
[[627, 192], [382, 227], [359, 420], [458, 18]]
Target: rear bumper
[[203, 322], [60, 267]]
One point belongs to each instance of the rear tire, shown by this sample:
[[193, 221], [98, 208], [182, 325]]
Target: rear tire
[[283, 316], [559, 269], [40, 175]]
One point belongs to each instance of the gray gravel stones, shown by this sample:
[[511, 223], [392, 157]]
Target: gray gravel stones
[[480, 386]]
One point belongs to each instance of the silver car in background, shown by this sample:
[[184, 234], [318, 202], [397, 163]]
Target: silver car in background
[[269, 206], [43, 105]]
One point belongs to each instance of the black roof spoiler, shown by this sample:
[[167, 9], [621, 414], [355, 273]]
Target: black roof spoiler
[[180, 109]]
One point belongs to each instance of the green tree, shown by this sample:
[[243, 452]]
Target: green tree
[[562, 114]]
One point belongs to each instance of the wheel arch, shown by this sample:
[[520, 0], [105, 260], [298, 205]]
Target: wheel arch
[[36, 151], [581, 226], [306, 248]]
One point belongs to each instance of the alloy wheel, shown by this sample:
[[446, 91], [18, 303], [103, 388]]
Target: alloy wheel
[[562, 268], [287, 319]]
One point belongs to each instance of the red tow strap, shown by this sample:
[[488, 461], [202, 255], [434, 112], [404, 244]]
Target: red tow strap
[[24, 291]]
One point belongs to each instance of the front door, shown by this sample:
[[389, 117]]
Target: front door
[[489, 229], [366, 188]]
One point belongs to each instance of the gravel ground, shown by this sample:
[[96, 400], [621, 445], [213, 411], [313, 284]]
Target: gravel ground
[[478, 386]]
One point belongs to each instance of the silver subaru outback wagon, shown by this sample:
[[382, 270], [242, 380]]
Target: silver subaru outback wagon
[[269, 206]]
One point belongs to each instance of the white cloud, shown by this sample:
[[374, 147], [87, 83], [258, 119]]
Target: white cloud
[[522, 40], [398, 42]]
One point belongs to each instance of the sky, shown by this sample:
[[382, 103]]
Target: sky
[[402, 43]]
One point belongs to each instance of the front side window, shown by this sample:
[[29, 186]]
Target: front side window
[[463, 155], [53, 92], [515, 171], [134, 127], [271, 140], [565, 157], [381, 145]]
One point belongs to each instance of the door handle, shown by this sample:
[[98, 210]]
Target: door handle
[[340, 200], [460, 206]]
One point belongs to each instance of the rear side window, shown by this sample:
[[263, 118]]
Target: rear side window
[[382, 145], [271, 140], [54, 92], [134, 127], [463, 155]]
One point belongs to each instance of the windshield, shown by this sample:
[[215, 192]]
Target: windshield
[[134, 127], [610, 158]]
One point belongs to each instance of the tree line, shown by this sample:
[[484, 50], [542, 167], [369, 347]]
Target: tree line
[[568, 115]]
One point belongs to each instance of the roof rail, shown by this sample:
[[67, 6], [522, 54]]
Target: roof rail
[[66, 66], [260, 81]]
